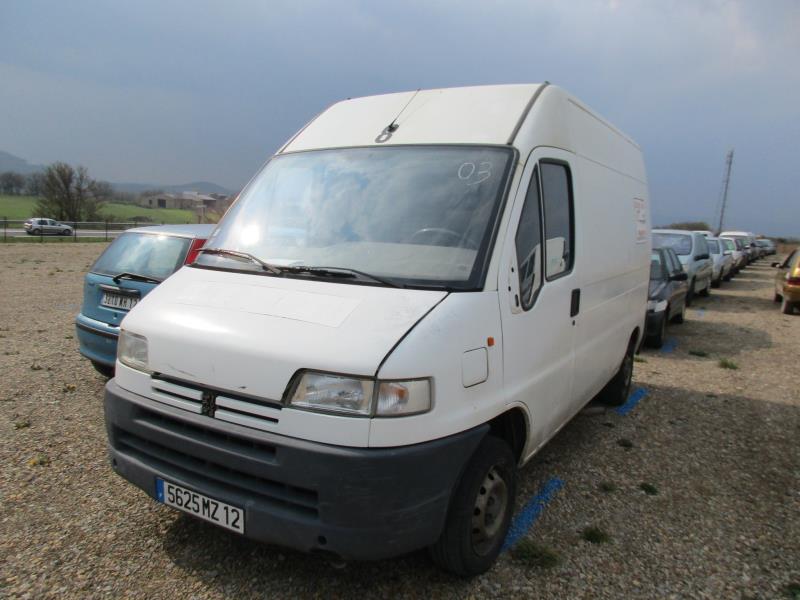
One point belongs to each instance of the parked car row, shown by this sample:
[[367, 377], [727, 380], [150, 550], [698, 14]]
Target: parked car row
[[688, 263]]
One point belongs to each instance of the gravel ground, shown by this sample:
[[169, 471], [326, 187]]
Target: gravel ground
[[718, 448]]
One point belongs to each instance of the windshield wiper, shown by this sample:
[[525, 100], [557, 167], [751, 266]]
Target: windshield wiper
[[135, 277], [274, 269], [339, 272]]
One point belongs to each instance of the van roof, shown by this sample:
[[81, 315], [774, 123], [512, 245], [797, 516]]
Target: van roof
[[523, 115], [467, 115]]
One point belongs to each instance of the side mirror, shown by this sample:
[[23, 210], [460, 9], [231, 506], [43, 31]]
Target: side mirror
[[726, 253], [776, 264], [701, 257], [679, 277]]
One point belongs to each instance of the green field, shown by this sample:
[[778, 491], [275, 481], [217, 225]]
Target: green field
[[22, 207]]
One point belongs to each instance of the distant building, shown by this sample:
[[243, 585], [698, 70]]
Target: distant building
[[196, 201]]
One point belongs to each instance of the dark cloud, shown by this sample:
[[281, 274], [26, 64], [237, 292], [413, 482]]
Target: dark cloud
[[157, 91]]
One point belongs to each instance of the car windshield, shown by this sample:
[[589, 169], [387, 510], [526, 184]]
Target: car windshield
[[713, 245], [681, 243], [414, 215], [656, 267], [147, 254]]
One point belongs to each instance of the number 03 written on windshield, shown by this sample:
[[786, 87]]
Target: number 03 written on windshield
[[474, 174]]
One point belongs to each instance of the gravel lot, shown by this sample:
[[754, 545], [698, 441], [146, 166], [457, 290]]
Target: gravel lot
[[718, 447]]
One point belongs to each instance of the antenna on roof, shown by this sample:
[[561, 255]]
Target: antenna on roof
[[386, 134], [393, 125]]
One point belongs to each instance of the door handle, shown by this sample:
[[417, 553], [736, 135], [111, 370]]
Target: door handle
[[575, 303]]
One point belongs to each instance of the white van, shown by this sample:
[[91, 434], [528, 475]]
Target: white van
[[406, 302]]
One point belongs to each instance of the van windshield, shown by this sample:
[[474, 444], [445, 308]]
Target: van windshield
[[681, 243], [420, 216]]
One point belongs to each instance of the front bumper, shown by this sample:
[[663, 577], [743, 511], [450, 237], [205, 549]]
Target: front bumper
[[653, 322], [357, 503], [97, 340]]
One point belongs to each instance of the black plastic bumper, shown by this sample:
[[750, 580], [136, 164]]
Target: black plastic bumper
[[653, 323], [357, 503]]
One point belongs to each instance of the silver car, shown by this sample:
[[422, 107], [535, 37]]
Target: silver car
[[692, 250], [723, 261], [38, 225]]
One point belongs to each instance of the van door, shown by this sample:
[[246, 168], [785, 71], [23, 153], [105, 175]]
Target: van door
[[536, 294]]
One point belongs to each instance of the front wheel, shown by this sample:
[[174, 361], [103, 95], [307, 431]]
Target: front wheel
[[36, 231], [66, 232], [690, 293], [787, 307], [706, 290], [480, 512]]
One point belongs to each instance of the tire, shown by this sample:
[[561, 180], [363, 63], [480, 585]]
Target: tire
[[777, 297], [717, 282], [690, 293], [616, 391], [66, 232], [36, 231], [656, 340], [706, 290], [681, 316], [104, 370], [474, 533], [787, 307]]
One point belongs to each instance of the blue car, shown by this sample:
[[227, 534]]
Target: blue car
[[133, 264]]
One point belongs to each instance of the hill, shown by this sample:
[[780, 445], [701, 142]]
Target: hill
[[10, 162]]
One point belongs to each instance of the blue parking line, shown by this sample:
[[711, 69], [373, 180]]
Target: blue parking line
[[669, 345], [531, 511], [635, 397]]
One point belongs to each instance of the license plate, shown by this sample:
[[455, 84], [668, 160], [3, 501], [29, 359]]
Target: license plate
[[200, 505], [118, 301]]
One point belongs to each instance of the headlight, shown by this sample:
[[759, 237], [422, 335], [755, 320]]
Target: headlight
[[132, 350], [656, 305], [334, 393], [345, 395]]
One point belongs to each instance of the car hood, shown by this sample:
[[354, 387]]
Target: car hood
[[251, 333]]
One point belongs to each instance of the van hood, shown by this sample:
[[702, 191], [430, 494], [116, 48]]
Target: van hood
[[251, 333]]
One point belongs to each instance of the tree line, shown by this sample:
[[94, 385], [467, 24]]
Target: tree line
[[65, 193]]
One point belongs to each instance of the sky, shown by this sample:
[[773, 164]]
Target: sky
[[160, 91]]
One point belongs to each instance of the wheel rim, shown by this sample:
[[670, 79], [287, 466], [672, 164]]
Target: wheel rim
[[489, 512]]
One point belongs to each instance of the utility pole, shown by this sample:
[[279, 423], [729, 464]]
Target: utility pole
[[725, 183]]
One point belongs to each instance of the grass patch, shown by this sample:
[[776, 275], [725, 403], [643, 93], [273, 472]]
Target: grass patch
[[608, 487], [625, 443], [595, 535], [19, 208], [726, 363], [535, 555], [24, 424], [639, 359], [700, 353], [793, 590], [649, 489]]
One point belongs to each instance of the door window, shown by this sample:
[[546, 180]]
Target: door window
[[558, 218], [529, 244]]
